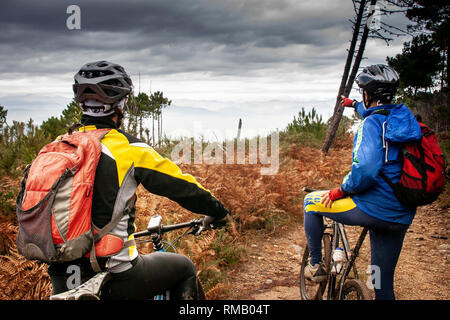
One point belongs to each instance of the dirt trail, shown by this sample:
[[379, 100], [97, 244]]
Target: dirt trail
[[271, 267]]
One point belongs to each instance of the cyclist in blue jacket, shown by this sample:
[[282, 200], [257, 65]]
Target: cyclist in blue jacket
[[364, 198]]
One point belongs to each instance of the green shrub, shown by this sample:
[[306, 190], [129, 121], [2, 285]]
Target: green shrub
[[310, 122], [308, 129], [7, 203], [227, 253]]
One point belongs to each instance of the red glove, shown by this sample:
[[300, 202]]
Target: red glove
[[346, 102], [336, 194]]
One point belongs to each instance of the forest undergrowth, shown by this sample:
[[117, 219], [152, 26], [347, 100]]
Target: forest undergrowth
[[258, 203]]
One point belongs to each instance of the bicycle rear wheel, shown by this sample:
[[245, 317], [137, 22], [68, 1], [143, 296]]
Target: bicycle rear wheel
[[354, 289], [311, 290]]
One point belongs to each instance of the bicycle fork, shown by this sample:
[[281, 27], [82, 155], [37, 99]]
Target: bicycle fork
[[158, 246]]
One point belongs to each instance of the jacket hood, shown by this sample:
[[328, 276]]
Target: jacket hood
[[401, 124]]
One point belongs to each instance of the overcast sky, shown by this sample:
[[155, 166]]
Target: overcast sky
[[217, 60]]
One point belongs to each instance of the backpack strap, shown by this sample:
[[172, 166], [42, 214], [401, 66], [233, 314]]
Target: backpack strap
[[105, 230], [386, 179], [20, 196]]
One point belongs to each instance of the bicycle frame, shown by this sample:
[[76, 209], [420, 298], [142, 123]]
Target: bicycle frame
[[339, 234], [155, 229]]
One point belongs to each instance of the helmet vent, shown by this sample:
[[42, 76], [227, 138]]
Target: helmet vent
[[120, 69], [112, 82]]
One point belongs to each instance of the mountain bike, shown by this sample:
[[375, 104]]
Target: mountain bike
[[92, 288], [341, 285]]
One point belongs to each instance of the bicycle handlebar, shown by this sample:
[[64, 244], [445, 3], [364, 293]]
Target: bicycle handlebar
[[163, 229], [306, 189], [189, 224]]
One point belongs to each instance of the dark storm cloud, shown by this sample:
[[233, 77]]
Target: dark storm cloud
[[225, 22], [170, 36]]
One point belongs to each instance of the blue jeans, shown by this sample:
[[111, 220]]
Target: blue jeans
[[386, 238]]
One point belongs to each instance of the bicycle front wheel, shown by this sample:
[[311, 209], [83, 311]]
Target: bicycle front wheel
[[312, 290], [354, 289], [169, 247]]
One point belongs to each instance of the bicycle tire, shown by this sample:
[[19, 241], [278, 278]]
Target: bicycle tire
[[355, 289], [308, 289]]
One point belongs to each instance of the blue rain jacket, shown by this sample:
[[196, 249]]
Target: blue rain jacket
[[376, 147]]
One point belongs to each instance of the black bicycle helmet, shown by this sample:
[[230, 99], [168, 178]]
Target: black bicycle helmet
[[379, 81], [103, 81]]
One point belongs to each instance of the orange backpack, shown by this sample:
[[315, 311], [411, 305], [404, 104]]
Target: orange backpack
[[55, 201]]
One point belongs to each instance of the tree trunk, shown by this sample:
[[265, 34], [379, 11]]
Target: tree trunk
[[161, 127], [359, 56], [447, 53], [239, 130], [159, 130], [346, 81], [153, 129]]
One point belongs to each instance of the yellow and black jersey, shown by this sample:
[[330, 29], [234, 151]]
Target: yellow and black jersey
[[125, 163]]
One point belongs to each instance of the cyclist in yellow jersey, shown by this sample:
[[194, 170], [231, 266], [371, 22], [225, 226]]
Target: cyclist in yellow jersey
[[102, 88]]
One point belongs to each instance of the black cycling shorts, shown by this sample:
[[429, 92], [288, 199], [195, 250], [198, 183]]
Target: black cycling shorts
[[150, 275]]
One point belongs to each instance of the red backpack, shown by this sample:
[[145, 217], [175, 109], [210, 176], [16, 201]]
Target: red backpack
[[55, 201], [423, 173]]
